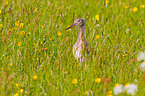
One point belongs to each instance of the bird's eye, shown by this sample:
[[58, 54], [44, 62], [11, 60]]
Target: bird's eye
[[79, 20]]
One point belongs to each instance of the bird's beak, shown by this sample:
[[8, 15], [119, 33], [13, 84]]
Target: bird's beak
[[71, 26]]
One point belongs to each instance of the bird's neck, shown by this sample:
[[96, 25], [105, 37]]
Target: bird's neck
[[82, 33]]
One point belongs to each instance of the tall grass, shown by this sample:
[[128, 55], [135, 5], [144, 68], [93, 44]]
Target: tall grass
[[41, 52]]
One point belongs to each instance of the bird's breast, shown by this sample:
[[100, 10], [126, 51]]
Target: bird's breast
[[78, 48]]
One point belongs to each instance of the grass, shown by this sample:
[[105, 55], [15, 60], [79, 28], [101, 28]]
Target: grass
[[43, 53]]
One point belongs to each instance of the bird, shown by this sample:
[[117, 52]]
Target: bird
[[80, 48]]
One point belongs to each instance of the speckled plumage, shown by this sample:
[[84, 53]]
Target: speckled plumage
[[80, 48]]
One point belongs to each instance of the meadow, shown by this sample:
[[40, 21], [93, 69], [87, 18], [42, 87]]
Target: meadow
[[36, 57]]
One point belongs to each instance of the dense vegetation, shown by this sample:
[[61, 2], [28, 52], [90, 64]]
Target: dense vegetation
[[36, 56]]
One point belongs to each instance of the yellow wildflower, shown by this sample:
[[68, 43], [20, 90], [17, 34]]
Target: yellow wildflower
[[9, 30], [51, 55], [39, 50], [142, 6], [125, 55], [75, 81], [17, 23], [98, 80], [21, 90], [11, 64], [109, 95], [17, 85], [36, 9], [97, 17], [109, 92], [22, 32], [35, 44], [41, 26], [85, 92], [97, 36], [143, 62], [22, 24], [1, 25], [19, 43], [16, 94], [117, 84], [6, 2], [134, 9], [106, 2], [15, 28], [0, 11], [65, 72], [59, 33], [126, 84], [125, 7], [35, 77], [41, 42], [2, 68]]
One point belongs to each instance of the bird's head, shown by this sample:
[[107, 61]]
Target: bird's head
[[77, 22]]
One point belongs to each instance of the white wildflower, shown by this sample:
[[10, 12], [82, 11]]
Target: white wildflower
[[127, 30], [142, 66], [118, 89], [86, 3], [141, 56], [131, 89], [135, 80], [98, 25]]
